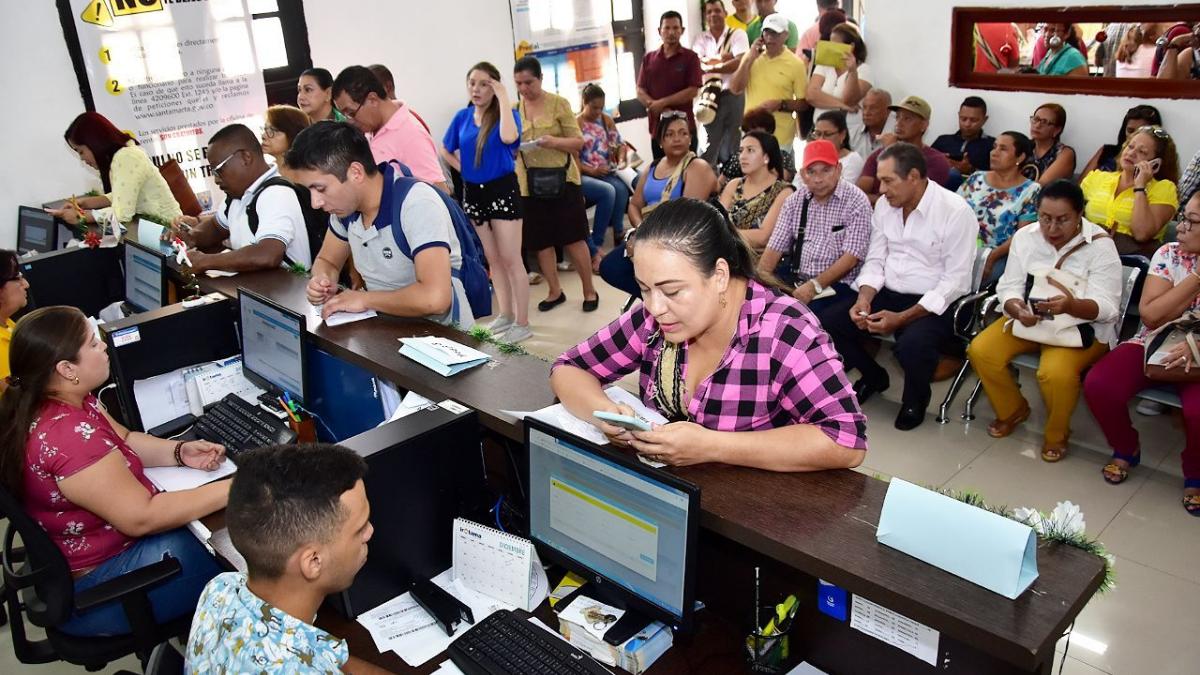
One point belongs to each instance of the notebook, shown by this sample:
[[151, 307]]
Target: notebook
[[503, 566]]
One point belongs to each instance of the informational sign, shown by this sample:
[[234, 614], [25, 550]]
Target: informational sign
[[573, 40], [172, 73]]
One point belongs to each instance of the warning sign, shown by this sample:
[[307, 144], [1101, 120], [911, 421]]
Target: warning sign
[[97, 13], [101, 12], [128, 7]]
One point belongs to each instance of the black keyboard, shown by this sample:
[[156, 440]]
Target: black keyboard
[[239, 425], [506, 643]]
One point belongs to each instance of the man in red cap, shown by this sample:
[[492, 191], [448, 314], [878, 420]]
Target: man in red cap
[[823, 229]]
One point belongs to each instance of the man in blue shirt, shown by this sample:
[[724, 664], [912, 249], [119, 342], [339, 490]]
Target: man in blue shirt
[[299, 516], [969, 149]]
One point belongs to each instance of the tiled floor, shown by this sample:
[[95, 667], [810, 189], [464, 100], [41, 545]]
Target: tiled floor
[[1148, 624]]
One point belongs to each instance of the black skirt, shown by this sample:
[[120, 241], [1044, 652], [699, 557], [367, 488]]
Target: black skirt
[[498, 199], [555, 222]]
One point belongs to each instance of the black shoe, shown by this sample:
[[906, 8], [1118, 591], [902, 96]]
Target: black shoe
[[591, 305], [910, 416], [547, 305], [865, 388]]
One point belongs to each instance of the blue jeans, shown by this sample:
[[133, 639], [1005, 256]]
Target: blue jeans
[[617, 270], [611, 197], [841, 291], [170, 600]]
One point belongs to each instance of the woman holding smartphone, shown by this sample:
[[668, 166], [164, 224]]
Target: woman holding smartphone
[[1135, 202]]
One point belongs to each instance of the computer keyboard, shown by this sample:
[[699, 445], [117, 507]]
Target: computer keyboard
[[239, 426], [506, 643]]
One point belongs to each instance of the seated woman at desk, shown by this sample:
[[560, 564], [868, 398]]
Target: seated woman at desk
[[14, 293], [745, 375], [132, 184], [80, 474]]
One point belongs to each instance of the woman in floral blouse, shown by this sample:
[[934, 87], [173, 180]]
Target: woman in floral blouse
[[1003, 199], [602, 153], [80, 474]]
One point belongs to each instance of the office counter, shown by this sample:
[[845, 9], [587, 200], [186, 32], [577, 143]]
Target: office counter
[[797, 527]]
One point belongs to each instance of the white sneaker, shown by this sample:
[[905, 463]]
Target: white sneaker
[[564, 266], [500, 324], [517, 333], [1150, 408]]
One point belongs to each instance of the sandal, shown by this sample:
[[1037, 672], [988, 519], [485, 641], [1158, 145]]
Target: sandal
[[1191, 503], [1115, 474], [1053, 452], [1000, 428]]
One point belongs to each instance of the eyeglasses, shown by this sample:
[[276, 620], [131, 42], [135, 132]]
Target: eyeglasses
[[216, 170], [1061, 221], [815, 135], [353, 114], [270, 131], [1042, 121], [16, 278], [1156, 131], [673, 115], [1187, 225]]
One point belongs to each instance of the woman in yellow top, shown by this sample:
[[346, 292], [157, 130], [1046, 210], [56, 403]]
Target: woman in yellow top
[[132, 184], [14, 293], [551, 141], [1136, 201]]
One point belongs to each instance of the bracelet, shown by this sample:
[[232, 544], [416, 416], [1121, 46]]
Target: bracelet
[[1138, 189], [178, 456]]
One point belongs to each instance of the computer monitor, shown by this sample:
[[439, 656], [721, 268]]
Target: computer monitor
[[272, 345], [145, 277], [87, 278], [626, 527], [36, 230]]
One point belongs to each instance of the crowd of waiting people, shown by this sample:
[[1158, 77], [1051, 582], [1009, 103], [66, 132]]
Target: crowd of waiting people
[[760, 274]]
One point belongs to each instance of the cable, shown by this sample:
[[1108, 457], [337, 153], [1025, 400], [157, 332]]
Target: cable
[[332, 436], [496, 510], [185, 430], [1066, 647]]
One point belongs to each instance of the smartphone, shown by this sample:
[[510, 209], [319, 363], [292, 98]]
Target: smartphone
[[1155, 165], [623, 421], [1033, 307]]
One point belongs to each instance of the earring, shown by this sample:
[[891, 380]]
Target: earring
[[75, 378]]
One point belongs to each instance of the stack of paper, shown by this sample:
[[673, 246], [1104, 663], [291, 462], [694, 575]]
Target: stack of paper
[[339, 318], [442, 355], [176, 478], [636, 655], [401, 626]]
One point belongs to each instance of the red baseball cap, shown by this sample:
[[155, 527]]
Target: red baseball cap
[[819, 151]]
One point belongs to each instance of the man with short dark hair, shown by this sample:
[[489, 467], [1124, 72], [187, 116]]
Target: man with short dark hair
[[242, 172], [299, 516], [333, 160], [670, 78], [385, 78], [919, 262], [969, 149], [720, 48], [912, 121], [395, 131]]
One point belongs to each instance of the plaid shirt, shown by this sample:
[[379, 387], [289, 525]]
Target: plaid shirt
[[1189, 183], [841, 225], [780, 369]]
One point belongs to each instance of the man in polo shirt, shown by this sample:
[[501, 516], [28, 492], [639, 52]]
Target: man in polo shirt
[[912, 121], [742, 15], [812, 34], [669, 78], [720, 49], [773, 78], [969, 149], [836, 219], [919, 262], [334, 161], [755, 28], [240, 170], [395, 132]]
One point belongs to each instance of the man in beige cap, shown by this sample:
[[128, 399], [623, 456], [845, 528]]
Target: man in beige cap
[[912, 120], [773, 78]]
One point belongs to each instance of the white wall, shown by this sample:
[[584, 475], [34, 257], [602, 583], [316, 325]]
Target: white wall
[[36, 165], [910, 54]]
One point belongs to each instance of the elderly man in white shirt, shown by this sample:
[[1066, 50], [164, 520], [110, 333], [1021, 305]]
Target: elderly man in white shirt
[[919, 262], [720, 49]]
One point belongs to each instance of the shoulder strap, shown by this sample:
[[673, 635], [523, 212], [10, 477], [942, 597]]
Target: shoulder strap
[[252, 205], [798, 244], [1075, 248]]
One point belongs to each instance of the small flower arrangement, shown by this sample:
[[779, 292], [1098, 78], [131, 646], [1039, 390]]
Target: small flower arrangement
[[484, 335]]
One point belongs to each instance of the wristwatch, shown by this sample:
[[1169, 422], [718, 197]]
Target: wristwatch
[[817, 285]]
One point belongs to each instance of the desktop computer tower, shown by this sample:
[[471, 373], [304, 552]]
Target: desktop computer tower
[[423, 471]]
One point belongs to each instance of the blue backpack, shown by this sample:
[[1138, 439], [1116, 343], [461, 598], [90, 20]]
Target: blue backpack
[[472, 274]]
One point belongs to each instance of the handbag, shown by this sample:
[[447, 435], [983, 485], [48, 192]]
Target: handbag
[[546, 183], [1164, 339], [180, 189], [1061, 330]]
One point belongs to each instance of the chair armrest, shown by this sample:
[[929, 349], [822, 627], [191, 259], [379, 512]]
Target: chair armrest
[[139, 580], [961, 303]]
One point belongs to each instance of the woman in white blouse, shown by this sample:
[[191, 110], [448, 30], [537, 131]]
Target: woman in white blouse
[[844, 87], [831, 126]]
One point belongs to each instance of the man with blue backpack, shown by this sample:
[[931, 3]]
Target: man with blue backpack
[[408, 240]]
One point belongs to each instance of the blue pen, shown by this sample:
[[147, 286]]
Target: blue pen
[[291, 404]]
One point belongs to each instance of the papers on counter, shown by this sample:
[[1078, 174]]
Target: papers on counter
[[411, 403], [401, 626], [217, 274], [895, 629], [442, 355], [176, 478], [339, 318]]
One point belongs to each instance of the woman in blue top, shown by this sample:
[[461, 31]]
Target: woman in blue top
[[1062, 57], [480, 144], [680, 173]]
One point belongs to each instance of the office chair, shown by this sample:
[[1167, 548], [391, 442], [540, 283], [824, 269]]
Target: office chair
[[38, 588]]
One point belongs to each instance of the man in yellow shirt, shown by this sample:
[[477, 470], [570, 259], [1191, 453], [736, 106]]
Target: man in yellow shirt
[[773, 78], [742, 15], [13, 296]]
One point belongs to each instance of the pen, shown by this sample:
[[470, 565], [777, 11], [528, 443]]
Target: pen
[[290, 413]]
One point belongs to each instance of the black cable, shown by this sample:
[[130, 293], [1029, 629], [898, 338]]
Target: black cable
[[1066, 647]]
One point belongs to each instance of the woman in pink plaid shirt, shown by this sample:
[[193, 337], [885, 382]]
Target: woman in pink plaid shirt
[[745, 374]]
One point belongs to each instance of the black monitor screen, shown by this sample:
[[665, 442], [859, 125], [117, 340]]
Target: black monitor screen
[[272, 344], [609, 516], [35, 230], [144, 277]]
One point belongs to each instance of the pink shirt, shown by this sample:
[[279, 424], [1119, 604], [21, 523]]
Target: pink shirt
[[404, 139], [808, 39], [63, 441]]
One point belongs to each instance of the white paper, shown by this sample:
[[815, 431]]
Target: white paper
[[448, 668], [223, 545], [339, 318], [895, 629], [444, 350], [577, 613], [411, 403], [805, 669], [149, 234], [161, 398], [401, 626], [176, 478], [218, 379], [217, 274], [1159, 358], [558, 416]]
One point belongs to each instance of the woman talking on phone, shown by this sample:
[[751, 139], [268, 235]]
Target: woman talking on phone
[[1135, 202]]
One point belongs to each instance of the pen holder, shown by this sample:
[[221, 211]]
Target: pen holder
[[306, 431], [767, 653]]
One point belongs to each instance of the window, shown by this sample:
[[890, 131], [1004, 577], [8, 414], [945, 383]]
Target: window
[[281, 44], [629, 46]]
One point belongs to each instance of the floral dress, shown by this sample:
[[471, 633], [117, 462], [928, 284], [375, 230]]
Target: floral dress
[[1000, 211]]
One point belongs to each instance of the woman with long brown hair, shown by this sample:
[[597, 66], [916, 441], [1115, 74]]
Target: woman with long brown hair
[[480, 144], [80, 474]]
